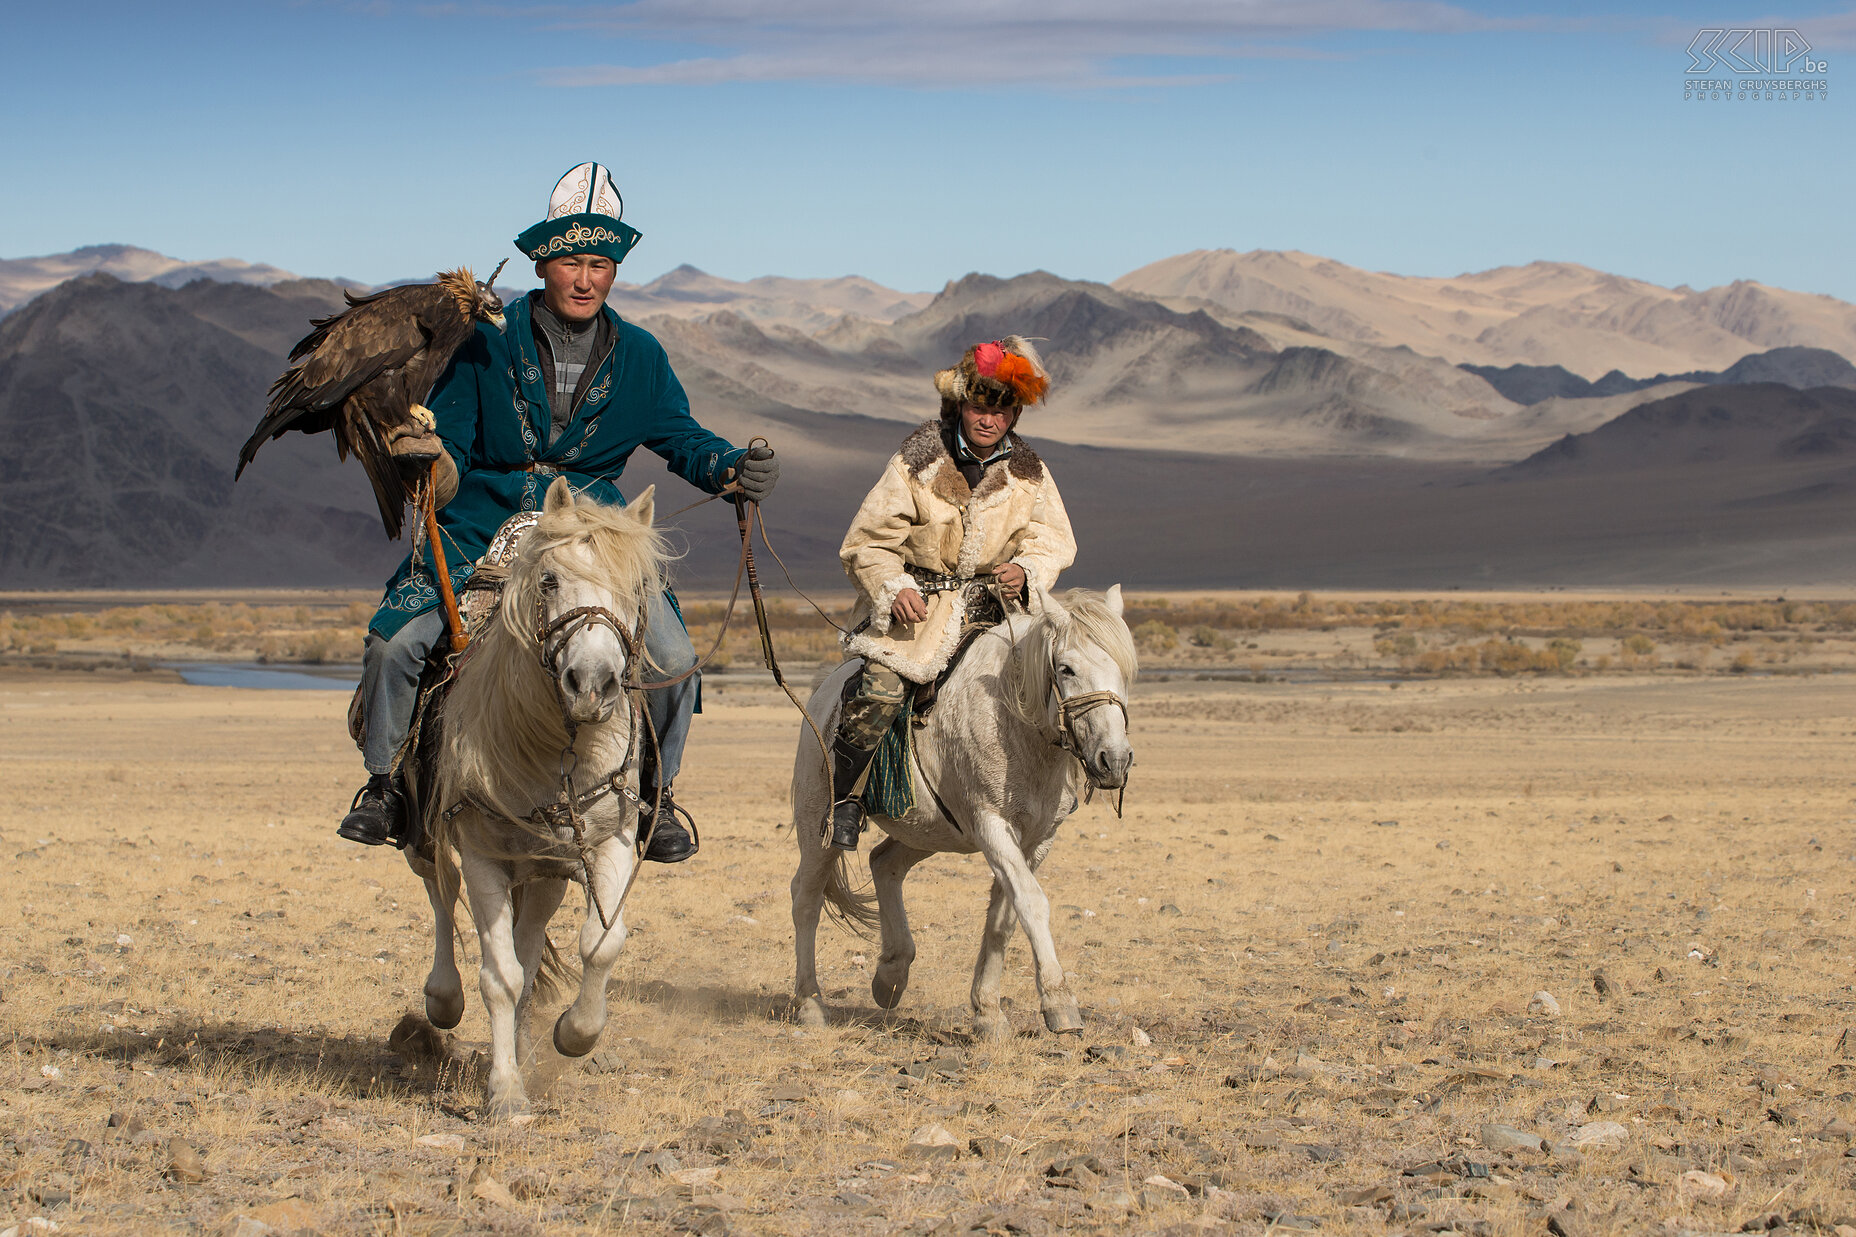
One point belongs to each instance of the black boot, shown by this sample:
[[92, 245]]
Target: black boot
[[669, 841], [378, 815], [847, 808]]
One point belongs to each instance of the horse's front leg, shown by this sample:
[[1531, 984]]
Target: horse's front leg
[[577, 1030], [1013, 870], [890, 862], [535, 904], [499, 977], [444, 988]]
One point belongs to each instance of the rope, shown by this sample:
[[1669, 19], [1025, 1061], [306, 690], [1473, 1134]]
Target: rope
[[747, 510], [760, 521]]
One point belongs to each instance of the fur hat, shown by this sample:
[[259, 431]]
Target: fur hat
[[1003, 373], [583, 217]]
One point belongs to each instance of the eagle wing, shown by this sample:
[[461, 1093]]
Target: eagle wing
[[359, 430], [376, 335]]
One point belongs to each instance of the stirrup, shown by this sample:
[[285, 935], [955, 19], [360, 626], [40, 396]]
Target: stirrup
[[686, 826], [393, 805], [847, 823]]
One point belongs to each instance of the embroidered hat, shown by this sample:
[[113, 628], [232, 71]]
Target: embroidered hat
[[583, 217], [1002, 373]]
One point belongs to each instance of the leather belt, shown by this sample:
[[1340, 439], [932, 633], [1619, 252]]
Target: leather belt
[[927, 582]]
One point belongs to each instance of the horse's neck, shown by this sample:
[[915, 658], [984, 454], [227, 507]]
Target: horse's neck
[[978, 690]]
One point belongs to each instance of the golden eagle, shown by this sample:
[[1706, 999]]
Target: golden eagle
[[365, 373]]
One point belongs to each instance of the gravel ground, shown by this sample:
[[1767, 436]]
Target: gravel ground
[[1309, 960]]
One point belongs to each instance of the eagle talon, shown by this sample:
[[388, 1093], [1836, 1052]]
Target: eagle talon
[[423, 416]]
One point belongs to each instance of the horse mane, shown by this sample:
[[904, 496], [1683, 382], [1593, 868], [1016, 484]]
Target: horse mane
[[514, 735], [1028, 665]]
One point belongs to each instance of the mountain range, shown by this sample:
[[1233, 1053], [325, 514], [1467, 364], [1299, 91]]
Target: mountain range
[[1543, 313], [1790, 366], [1201, 443], [21, 279]]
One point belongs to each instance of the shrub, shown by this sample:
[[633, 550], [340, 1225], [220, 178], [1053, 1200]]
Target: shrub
[[1205, 636], [1153, 636], [1565, 651]]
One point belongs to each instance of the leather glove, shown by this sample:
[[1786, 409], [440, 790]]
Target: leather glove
[[757, 474], [414, 446]]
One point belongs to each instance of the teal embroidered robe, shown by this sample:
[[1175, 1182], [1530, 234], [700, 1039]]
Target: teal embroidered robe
[[493, 417]]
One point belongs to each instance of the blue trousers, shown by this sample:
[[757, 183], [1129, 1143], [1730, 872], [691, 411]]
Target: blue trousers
[[390, 684]]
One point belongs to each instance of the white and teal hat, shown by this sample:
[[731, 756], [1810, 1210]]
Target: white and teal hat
[[583, 217]]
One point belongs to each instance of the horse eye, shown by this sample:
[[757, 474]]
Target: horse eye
[[1065, 670], [549, 582]]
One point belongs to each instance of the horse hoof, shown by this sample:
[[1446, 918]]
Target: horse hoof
[[1063, 1019], [888, 993], [444, 1011], [567, 1043], [994, 1028], [506, 1109], [810, 1014]]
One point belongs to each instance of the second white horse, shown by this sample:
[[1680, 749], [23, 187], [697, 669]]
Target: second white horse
[[1037, 707]]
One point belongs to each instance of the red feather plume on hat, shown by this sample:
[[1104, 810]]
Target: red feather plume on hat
[[1019, 374]]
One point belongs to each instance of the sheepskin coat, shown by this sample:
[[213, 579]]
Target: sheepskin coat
[[923, 514]]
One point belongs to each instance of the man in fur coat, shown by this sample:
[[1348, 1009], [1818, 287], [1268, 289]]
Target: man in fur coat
[[566, 389], [965, 501]]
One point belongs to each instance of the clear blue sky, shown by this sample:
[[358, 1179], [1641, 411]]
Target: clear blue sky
[[913, 143]]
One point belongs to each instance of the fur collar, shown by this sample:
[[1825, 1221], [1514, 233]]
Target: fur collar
[[928, 461]]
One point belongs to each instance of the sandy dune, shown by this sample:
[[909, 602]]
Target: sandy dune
[[1327, 909]]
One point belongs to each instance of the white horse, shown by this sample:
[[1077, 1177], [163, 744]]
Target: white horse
[[1036, 706], [540, 701]]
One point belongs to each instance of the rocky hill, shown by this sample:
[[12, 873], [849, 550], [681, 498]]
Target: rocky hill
[[809, 304], [121, 409], [1127, 371], [1738, 428], [1791, 366], [21, 279], [1544, 313], [1198, 448]]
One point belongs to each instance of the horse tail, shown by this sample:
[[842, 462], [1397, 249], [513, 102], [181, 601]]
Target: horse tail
[[851, 908]]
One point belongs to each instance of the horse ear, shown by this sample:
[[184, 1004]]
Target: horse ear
[[1113, 598], [644, 507], [560, 497], [1041, 604]]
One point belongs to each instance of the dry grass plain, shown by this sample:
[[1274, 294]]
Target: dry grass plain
[[1306, 958]]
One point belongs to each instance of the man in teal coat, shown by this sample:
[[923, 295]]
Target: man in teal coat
[[567, 388]]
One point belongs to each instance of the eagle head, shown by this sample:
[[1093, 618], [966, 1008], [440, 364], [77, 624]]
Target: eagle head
[[489, 305], [476, 298]]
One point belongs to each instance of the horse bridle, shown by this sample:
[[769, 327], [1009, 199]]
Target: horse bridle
[[1069, 709], [551, 639], [552, 635]]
